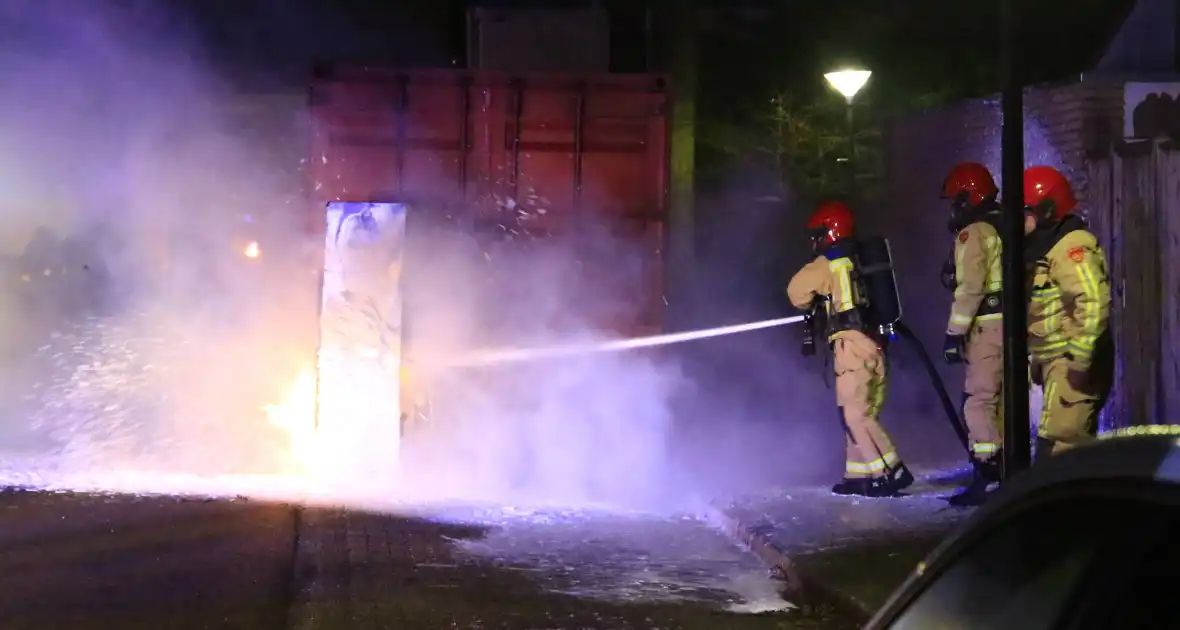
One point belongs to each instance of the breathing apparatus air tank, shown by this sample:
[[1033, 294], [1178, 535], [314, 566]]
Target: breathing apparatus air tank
[[882, 313], [874, 265], [874, 262]]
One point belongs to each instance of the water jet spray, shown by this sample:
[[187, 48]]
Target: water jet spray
[[515, 355]]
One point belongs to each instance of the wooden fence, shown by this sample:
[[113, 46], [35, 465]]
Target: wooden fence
[[1134, 210]]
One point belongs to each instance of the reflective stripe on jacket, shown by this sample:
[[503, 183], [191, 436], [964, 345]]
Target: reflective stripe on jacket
[[1069, 304], [828, 279], [977, 273]]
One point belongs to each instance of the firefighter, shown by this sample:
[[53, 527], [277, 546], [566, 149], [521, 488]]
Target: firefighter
[[1070, 344], [975, 330], [872, 465]]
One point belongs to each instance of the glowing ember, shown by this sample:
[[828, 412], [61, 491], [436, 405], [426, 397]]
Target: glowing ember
[[296, 415], [355, 445], [252, 250]]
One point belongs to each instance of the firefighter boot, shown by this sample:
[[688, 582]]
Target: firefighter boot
[[853, 486], [886, 485], [976, 491], [893, 482], [991, 468], [1044, 449]]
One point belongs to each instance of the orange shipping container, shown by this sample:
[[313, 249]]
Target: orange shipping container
[[474, 142]]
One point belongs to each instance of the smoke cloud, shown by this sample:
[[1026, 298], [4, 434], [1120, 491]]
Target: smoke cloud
[[139, 333], [590, 428], [146, 339]]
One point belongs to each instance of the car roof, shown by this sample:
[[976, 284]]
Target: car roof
[[1141, 453]]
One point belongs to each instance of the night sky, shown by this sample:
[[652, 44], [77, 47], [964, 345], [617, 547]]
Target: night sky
[[919, 43]]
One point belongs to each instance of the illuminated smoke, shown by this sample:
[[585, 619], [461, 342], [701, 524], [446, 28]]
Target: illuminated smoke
[[117, 139], [198, 367], [111, 116], [568, 425]]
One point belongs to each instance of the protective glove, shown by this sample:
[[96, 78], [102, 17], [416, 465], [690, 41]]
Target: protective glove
[[1078, 379], [1077, 373], [1037, 373], [947, 276], [953, 348]]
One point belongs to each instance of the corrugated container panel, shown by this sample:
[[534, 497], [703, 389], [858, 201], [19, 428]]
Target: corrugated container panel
[[554, 149]]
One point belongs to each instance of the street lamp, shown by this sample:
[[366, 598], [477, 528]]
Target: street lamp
[[849, 83]]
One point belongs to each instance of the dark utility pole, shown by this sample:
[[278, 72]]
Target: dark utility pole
[[1017, 451], [850, 124], [681, 235]]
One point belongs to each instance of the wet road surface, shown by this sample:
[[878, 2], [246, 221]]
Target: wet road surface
[[856, 550], [534, 570], [87, 562]]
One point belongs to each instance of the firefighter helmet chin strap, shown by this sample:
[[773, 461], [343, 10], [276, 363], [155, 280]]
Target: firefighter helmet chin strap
[[1044, 213], [959, 209], [817, 237], [947, 275], [964, 214]]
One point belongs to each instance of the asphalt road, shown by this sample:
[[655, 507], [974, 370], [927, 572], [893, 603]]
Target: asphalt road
[[88, 562], [381, 571], [93, 562]]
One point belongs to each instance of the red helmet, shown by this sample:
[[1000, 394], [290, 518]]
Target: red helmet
[[970, 182], [1047, 194], [831, 221]]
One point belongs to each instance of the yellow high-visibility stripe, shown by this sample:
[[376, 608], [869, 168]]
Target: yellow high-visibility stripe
[[856, 468], [1049, 300], [841, 269], [984, 448], [873, 467], [1087, 309], [1049, 392], [992, 281], [993, 247], [960, 319], [1048, 351]]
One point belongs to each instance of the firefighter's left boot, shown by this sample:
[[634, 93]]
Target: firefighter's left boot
[[893, 482], [991, 468], [887, 485], [983, 473], [860, 486], [1044, 449]]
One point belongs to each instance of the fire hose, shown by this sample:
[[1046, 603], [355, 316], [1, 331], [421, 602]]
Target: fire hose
[[948, 407]]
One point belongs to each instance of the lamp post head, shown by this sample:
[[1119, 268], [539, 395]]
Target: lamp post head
[[848, 82]]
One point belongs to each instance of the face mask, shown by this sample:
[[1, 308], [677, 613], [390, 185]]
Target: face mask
[[1044, 213], [959, 213], [817, 237]]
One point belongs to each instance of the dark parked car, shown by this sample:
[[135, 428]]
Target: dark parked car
[[1089, 539]]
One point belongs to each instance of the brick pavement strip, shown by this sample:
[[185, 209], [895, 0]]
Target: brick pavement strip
[[366, 571]]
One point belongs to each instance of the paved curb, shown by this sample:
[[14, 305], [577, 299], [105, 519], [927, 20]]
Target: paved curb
[[759, 544], [756, 537]]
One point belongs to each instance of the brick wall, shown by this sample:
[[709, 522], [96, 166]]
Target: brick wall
[[1061, 124]]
